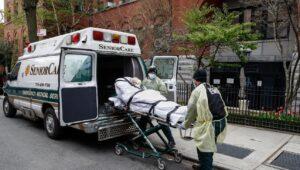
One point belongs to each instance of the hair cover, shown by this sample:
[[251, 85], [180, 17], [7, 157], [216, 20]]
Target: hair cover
[[200, 75]]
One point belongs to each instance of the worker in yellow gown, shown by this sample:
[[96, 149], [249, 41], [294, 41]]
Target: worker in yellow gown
[[206, 109]]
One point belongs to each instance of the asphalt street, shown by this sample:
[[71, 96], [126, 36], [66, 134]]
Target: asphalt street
[[25, 145]]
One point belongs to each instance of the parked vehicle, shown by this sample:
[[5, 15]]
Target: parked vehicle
[[66, 81], [167, 67]]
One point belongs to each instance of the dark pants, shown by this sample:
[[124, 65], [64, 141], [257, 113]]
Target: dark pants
[[206, 158], [166, 129]]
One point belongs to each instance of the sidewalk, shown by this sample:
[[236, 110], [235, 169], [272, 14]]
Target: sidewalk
[[249, 148]]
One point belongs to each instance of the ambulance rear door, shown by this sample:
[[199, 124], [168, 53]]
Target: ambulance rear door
[[78, 86], [167, 71]]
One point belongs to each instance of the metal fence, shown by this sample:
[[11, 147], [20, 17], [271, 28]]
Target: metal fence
[[262, 107]]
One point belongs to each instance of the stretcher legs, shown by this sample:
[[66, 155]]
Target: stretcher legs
[[129, 146]]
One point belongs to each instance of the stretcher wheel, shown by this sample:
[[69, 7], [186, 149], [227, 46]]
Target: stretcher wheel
[[177, 157], [161, 164], [119, 150]]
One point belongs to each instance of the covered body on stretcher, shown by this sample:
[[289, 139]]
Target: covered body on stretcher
[[146, 102]]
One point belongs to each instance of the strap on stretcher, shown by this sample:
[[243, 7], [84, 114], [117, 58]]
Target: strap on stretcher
[[151, 110], [130, 99], [169, 114], [153, 106]]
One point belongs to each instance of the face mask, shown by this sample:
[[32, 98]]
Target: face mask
[[194, 84], [152, 76]]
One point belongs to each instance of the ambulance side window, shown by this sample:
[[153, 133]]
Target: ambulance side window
[[77, 68], [165, 67], [15, 71]]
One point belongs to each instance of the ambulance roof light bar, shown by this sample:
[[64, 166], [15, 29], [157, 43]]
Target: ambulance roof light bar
[[114, 38]]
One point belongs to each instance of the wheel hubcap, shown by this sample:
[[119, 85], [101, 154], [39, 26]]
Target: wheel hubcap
[[6, 107], [50, 123]]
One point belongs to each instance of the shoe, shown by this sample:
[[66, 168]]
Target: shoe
[[196, 166], [171, 144]]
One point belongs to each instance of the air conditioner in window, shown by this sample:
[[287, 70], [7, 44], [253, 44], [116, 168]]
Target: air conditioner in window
[[110, 4]]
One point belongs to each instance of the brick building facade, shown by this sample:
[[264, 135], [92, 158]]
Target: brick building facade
[[154, 22], [12, 32]]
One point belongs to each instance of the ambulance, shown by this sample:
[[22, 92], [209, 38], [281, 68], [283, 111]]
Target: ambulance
[[67, 80]]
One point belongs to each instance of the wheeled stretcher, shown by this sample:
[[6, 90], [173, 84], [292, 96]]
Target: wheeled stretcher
[[137, 102], [140, 145]]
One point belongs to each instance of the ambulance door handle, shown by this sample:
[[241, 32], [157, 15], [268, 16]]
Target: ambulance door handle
[[80, 84], [170, 87]]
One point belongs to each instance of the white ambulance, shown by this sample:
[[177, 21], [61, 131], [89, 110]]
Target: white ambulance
[[67, 80]]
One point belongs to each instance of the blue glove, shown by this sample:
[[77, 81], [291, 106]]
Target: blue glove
[[181, 126]]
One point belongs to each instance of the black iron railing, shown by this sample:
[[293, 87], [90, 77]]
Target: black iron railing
[[261, 107]]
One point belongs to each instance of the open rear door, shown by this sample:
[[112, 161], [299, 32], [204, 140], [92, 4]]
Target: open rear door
[[78, 87], [167, 71]]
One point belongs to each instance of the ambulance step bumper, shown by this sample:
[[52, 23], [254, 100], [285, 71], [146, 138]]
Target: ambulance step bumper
[[113, 131]]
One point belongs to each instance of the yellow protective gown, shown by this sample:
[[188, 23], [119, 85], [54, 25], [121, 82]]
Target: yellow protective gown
[[156, 84], [198, 112]]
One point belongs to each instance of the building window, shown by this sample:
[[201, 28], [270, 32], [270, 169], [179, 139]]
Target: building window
[[125, 1], [263, 20]]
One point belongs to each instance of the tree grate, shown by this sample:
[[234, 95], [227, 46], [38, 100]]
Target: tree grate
[[233, 151], [287, 160]]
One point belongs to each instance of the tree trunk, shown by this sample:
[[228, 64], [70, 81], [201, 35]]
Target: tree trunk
[[56, 17], [208, 75], [29, 7], [242, 93]]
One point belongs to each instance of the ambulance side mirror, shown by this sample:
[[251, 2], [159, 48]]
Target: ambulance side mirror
[[11, 77]]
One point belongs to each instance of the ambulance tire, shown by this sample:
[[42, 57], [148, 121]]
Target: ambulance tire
[[51, 123], [8, 109]]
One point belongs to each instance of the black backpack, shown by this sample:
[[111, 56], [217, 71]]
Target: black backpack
[[215, 102]]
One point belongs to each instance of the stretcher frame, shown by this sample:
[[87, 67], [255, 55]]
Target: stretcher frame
[[129, 145]]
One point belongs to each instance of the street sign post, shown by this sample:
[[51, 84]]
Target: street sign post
[[41, 32]]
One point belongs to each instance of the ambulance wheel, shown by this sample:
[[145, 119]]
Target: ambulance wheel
[[161, 164], [51, 123], [8, 109], [119, 150]]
